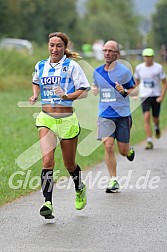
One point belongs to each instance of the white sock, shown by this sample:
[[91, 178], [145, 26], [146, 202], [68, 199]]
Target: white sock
[[156, 127], [149, 139], [114, 178]]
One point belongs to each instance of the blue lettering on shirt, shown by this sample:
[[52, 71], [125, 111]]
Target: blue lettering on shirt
[[51, 80]]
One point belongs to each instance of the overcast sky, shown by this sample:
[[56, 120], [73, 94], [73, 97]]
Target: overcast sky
[[145, 7]]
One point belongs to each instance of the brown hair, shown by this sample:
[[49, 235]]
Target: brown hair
[[65, 39]]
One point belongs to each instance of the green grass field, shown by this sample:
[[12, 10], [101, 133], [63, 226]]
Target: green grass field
[[20, 158]]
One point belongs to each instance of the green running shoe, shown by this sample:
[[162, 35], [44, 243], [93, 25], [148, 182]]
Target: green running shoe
[[131, 154], [112, 187], [47, 210], [149, 146], [80, 198]]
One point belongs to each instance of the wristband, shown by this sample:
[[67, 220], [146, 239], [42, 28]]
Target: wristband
[[65, 97], [125, 92]]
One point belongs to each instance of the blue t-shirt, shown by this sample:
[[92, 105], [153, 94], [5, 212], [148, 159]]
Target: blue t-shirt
[[111, 102]]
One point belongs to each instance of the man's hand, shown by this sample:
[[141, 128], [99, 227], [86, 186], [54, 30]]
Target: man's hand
[[95, 90], [159, 99], [119, 88]]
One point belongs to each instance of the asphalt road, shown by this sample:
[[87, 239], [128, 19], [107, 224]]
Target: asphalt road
[[130, 221]]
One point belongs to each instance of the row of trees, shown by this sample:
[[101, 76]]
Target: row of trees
[[109, 19], [34, 19], [159, 24]]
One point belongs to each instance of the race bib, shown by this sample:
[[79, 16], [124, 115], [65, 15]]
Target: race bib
[[107, 95], [148, 83]]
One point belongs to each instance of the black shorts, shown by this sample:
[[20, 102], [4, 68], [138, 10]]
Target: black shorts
[[151, 104], [118, 128]]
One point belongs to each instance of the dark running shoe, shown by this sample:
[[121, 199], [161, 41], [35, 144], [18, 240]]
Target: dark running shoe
[[131, 154], [158, 133], [149, 146], [113, 186]]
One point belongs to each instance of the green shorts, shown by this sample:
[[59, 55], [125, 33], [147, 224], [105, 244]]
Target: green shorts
[[64, 128]]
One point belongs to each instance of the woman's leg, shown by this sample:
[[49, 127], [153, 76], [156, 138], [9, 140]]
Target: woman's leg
[[48, 145], [69, 147]]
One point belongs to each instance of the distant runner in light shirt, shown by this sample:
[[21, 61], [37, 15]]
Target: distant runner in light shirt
[[151, 78]]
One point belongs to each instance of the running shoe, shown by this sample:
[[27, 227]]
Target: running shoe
[[112, 187], [149, 146], [157, 133], [80, 200], [47, 210], [131, 154]]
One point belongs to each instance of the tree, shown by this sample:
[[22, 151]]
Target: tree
[[104, 19], [34, 20], [159, 21], [111, 19], [43, 17]]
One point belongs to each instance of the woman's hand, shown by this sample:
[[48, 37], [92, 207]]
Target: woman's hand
[[33, 99], [58, 91]]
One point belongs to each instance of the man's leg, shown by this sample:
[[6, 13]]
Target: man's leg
[[123, 148], [110, 155], [146, 107], [126, 150], [111, 163], [156, 127], [148, 129], [147, 124], [156, 112]]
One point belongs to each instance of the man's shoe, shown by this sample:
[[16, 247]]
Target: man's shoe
[[47, 210], [80, 200], [149, 146], [158, 133], [112, 187], [131, 154]]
